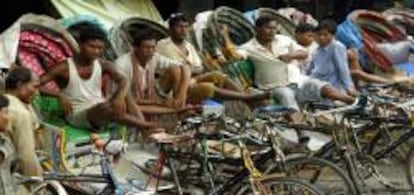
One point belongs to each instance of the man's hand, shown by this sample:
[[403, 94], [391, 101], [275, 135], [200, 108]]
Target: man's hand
[[352, 92], [176, 103], [67, 106], [285, 58], [195, 108], [119, 106]]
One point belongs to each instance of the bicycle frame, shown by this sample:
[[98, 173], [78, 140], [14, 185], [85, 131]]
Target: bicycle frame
[[106, 177]]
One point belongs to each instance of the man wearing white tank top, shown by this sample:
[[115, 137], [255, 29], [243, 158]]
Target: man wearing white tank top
[[81, 95]]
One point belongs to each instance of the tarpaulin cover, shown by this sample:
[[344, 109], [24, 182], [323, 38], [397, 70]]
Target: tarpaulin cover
[[120, 37], [38, 42], [364, 30], [401, 17], [108, 11]]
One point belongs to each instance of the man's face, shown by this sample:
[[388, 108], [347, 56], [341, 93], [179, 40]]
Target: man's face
[[305, 39], [267, 32], [92, 49], [180, 30], [146, 49], [27, 91], [4, 119], [323, 37]]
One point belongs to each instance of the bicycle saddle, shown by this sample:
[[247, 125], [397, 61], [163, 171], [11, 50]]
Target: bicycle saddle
[[384, 99], [196, 121], [320, 106], [374, 87], [273, 110]]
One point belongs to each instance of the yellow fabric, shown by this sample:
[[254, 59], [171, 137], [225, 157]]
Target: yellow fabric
[[108, 11], [205, 85]]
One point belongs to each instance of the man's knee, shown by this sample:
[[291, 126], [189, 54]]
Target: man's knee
[[201, 91], [102, 111], [326, 90], [284, 93], [285, 96], [215, 77], [172, 73]]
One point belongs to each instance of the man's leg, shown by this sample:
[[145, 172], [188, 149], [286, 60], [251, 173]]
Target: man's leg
[[225, 94], [102, 113], [316, 90], [358, 74], [133, 108], [218, 85], [333, 94], [201, 91], [170, 80], [220, 80], [287, 97], [177, 80]]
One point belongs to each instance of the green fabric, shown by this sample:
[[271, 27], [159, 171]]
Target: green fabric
[[76, 135], [49, 108], [241, 71]]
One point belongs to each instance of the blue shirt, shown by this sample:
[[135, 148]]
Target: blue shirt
[[330, 64]]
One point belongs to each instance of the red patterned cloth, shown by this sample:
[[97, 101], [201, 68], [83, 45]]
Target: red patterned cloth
[[36, 41], [30, 60], [41, 50], [56, 39]]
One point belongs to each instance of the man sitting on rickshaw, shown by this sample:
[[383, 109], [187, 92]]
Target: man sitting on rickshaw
[[203, 85], [81, 92]]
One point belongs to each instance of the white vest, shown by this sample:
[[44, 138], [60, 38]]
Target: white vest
[[83, 94]]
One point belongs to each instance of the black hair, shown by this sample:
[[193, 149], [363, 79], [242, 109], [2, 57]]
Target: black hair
[[327, 24], [304, 28], [176, 18], [263, 20], [18, 75], [89, 31], [138, 36], [4, 102]]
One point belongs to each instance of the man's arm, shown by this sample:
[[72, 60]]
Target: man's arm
[[297, 52], [122, 83], [299, 55], [23, 140], [341, 65], [50, 76], [162, 64]]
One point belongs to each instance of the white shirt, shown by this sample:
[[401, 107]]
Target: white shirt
[[311, 49], [168, 48], [269, 70], [158, 64]]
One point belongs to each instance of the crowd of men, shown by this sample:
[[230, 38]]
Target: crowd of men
[[168, 76]]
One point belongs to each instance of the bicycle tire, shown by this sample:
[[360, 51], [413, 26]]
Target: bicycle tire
[[410, 167], [49, 188], [379, 137], [285, 183], [294, 161]]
